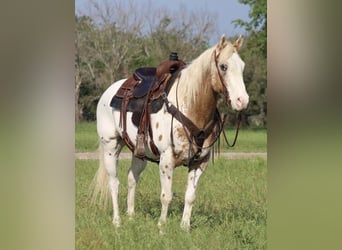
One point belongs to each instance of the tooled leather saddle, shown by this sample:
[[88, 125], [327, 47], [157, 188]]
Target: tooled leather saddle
[[142, 94]]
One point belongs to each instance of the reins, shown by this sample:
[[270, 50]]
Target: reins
[[238, 125]]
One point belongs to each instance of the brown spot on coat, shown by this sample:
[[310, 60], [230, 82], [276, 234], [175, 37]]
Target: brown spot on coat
[[181, 134], [157, 125], [160, 137]]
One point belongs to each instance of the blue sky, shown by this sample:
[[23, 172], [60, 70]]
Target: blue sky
[[225, 10]]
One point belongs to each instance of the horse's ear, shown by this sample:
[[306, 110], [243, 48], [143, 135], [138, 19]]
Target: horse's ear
[[222, 43], [238, 43]]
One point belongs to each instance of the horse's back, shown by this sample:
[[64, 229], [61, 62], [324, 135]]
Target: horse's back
[[105, 122]]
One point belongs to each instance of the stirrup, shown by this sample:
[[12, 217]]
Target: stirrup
[[139, 150]]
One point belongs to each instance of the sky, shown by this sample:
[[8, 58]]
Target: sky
[[225, 10]]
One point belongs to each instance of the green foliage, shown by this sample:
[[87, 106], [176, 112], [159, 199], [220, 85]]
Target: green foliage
[[255, 76], [89, 96], [258, 15], [257, 26], [229, 211]]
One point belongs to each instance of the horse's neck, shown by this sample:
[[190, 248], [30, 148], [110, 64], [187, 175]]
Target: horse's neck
[[195, 94]]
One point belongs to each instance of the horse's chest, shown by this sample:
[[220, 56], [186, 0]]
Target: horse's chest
[[184, 150]]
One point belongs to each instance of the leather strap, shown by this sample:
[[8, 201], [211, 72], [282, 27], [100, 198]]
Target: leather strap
[[199, 135], [224, 88]]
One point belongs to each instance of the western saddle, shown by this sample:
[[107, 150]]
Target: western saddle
[[143, 94]]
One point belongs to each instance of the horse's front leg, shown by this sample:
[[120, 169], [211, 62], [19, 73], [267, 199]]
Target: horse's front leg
[[190, 194], [137, 166], [166, 167]]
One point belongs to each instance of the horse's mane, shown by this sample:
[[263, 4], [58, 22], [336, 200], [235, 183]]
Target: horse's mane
[[195, 74]]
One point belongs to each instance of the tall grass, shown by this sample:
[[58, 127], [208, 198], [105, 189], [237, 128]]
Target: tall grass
[[229, 211]]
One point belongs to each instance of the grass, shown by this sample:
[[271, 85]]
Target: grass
[[229, 211], [248, 140], [86, 139]]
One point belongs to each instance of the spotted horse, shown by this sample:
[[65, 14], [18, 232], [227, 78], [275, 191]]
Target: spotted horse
[[181, 131]]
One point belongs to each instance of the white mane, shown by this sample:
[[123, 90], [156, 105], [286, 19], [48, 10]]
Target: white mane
[[194, 76]]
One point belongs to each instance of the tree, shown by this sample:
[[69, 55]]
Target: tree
[[254, 53], [257, 26], [84, 64], [119, 37], [102, 47]]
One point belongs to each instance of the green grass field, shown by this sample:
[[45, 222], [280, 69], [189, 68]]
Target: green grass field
[[249, 140], [86, 137], [229, 211]]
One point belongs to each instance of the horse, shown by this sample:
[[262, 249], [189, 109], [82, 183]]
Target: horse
[[218, 71]]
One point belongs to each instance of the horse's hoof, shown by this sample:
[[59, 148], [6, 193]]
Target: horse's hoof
[[161, 232], [116, 223], [185, 226], [161, 226]]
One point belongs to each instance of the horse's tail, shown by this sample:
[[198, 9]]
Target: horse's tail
[[99, 185]]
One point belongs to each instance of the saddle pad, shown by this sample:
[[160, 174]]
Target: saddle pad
[[136, 106]]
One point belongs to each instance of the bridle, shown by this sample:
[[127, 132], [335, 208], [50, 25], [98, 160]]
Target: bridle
[[224, 88], [195, 135]]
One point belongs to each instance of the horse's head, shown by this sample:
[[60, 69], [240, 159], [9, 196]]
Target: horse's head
[[229, 67]]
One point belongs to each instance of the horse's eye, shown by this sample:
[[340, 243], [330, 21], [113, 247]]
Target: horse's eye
[[223, 67]]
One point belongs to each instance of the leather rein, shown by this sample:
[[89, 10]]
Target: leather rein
[[195, 135]]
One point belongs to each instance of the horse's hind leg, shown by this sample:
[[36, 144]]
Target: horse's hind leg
[[111, 151], [137, 166]]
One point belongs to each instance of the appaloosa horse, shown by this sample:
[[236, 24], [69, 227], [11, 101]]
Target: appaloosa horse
[[194, 94]]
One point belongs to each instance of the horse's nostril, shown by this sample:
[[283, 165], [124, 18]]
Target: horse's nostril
[[242, 102]]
